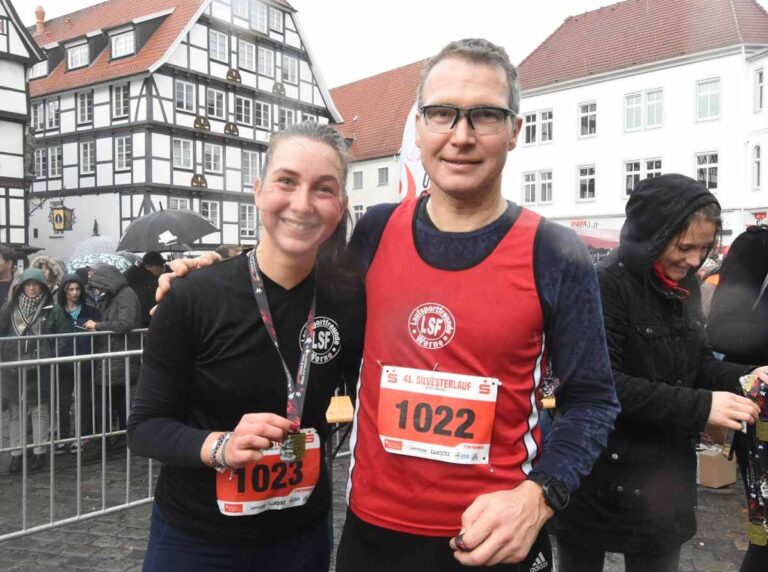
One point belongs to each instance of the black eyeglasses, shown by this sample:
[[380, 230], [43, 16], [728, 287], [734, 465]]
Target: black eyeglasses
[[484, 120]]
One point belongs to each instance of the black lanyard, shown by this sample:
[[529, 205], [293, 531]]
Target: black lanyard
[[297, 388]]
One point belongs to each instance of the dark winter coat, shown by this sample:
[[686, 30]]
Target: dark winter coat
[[82, 345], [144, 284], [641, 494]]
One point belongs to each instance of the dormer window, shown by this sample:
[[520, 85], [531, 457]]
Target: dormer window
[[123, 44], [40, 69], [77, 56]]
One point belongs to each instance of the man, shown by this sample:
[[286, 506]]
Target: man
[[7, 275], [142, 278]]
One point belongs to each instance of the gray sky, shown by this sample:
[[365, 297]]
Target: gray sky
[[353, 39]]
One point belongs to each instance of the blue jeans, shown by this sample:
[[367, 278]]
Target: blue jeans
[[171, 549]]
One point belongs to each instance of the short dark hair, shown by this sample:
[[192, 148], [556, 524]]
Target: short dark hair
[[478, 51], [153, 258], [7, 253], [225, 249]]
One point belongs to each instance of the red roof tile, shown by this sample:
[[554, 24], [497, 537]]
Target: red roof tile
[[375, 109], [638, 32], [104, 16]]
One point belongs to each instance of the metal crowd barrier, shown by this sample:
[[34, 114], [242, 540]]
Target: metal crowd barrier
[[66, 475]]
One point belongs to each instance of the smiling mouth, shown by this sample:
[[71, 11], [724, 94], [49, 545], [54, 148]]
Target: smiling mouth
[[461, 162], [298, 225]]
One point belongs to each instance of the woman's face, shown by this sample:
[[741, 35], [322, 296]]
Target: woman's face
[[300, 198], [48, 274], [73, 292], [32, 289], [687, 250]]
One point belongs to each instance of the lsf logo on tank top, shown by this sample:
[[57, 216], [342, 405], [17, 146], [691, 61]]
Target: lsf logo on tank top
[[432, 326], [327, 342]]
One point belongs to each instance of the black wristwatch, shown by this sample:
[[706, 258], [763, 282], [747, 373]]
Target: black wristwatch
[[556, 494]]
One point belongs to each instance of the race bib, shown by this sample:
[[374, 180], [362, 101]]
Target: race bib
[[435, 415], [270, 484]]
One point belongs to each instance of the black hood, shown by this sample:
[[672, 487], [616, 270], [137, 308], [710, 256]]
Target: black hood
[[656, 212]]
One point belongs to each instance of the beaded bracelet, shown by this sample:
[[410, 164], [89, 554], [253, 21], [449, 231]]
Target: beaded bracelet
[[224, 463], [214, 456]]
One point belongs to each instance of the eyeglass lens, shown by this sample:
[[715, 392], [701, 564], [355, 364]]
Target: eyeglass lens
[[484, 120]]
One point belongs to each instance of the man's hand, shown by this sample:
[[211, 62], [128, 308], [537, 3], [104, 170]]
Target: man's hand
[[501, 527], [179, 268], [90, 325]]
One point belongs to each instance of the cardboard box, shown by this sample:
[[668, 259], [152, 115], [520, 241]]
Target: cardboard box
[[713, 469]]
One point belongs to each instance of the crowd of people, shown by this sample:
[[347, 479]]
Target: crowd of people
[[441, 318]]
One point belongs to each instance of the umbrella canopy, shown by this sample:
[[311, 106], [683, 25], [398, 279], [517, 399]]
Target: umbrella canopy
[[93, 260], [165, 230], [93, 245]]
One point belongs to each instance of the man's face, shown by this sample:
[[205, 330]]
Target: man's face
[[462, 163], [5, 267], [156, 270]]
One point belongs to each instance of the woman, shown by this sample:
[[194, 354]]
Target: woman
[[72, 299], [52, 272], [640, 497], [221, 359], [30, 312]]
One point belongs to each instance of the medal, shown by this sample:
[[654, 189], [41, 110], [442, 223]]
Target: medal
[[292, 449]]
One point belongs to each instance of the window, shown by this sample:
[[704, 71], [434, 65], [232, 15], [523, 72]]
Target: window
[[706, 169], [759, 89], [357, 180], [587, 119], [654, 108], [243, 110], [184, 96], [587, 182], [358, 212], [87, 157], [247, 221], [262, 114], [266, 62], [54, 161], [543, 189], [276, 19], [383, 176], [246, 55], [85, 107], [40, 69], [178, 203], [529, 188], [308, 117], [52, 114], [652, 168], [258, 17], [546, 126], [219, 46], [215, 103], [286, 117], [250, 167], [708, 99], [633, 112], [120, 100], [290, 69], [631, 176], [41, 163], [212, 158], [210, 210], [182, 153], [756, 160], [77, 56], [240, 8], [123, 44], [38, 116], [123, 153], [530, 128], [545, 186]]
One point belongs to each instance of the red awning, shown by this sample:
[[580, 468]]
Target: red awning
[[599, 238]]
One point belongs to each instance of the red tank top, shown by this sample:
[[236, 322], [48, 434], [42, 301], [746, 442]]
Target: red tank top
[[483, 321]]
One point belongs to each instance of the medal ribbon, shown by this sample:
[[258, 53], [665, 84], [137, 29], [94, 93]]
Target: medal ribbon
[[297, 388]]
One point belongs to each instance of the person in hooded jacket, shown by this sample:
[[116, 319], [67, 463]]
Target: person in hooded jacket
[[639, 499], [52, 272], [31, 312]]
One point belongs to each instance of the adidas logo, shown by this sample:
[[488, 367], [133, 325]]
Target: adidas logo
[[539, 564]]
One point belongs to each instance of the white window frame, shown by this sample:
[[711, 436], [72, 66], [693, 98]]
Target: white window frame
[[651, 172], [759, 89], [266, 62], [87, 153], [251, 161], [212, 208], [757, 167], [182, 153], [122, 44], [37, 116], [52, 114], [308, 117], [709, 89], [215, 103], [584, 116], [357, 180], [586, 177], [40, 69], [285, 118], [545, 181], [121, 100], [290, 69], [258, 19], [240, 9], [218, 46], [632, 169], [633, 110], [78, 56], [84, 107], [654, 107], [123, 153], [213, 157], [243, 110], [41, 163], [246, 55], [178, 203], [706, 169], [247, 220], [54, 161], [275, 19], [530, 128], [184, 96], [358, 212], [537, 187], [529, 188], [382, 181], [262, 115], [547, 124]]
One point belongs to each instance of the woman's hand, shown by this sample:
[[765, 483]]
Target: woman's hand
[[181, 267], [729, 410], [254, 433]]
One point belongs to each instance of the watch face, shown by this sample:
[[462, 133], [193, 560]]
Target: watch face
[[557, 495]]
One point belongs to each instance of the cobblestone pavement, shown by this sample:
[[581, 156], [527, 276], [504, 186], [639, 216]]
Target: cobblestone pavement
[[116, 542]]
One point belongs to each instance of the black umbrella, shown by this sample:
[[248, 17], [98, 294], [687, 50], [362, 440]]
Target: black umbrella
[[165, 230]]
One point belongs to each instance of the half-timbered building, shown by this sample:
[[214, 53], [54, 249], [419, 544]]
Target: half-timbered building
[[150, 104]]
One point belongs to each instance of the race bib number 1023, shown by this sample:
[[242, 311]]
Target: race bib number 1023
[[435, 415]]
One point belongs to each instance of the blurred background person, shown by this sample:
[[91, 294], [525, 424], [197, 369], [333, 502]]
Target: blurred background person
[[8, 275], [227, 251], [53, 272], [142, 278]]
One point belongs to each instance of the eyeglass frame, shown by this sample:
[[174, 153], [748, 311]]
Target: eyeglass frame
[[465, 111]]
